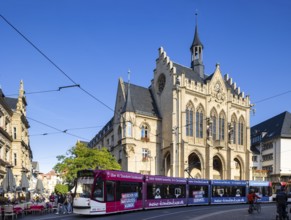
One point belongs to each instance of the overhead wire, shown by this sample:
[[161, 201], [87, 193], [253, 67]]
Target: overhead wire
[[57, 129], [64, 131], [75, 84], [54, 64], [46, 91], [272, 97]]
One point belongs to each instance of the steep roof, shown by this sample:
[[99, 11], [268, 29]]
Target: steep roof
[[142, 100], [189, 73], [278, 126], [128, 107], [11, 102]]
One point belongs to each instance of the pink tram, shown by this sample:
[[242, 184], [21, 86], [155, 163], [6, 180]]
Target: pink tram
[[100, 192]]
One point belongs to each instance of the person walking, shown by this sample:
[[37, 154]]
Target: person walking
[[281, 201], [69, 202], [65, 204], [60, 202]]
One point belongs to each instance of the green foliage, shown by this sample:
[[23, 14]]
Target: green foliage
[[81, 157], [61, 188]]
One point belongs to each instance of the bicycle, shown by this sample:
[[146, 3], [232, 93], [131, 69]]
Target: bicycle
[[255, 207]]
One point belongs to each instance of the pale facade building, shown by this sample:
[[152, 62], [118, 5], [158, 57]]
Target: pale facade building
[[15, 149], [271, 148], [186, 123]]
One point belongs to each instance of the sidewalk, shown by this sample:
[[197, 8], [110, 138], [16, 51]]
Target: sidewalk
[[44, 216]]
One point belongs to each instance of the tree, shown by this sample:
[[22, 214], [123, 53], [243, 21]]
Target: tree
[[81, 157], [61, 188]]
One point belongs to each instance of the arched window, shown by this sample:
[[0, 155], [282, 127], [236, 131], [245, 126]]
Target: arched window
[[221, 127], [189, 121], [199, 123], [240, 132], [214, 125], [234, 132]]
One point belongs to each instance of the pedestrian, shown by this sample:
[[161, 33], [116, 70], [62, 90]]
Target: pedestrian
[[60, 202], [65, 204], [69, 201], [281, 201]]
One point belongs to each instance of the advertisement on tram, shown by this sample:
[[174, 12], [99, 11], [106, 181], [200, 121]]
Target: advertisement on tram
[[162, 191], [228, 191]]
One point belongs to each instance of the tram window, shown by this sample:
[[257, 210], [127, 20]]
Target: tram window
[[162, 191], [110, 191], [128, 187], [262, 190], [228, 191], [98, 193], [195, 190], [84, 186]]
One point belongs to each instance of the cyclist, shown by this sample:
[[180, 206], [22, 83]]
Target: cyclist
[[281, 200], [252, 196]]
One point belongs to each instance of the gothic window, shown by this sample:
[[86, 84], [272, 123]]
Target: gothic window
[[161, 82], [240, 132], [221, 127], [189, 121], [234, 131], [214, 125], [199, 123]]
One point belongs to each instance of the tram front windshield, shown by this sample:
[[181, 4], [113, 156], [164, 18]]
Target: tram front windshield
[[84, 187]]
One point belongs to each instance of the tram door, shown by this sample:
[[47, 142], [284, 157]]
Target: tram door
[[110, 196]]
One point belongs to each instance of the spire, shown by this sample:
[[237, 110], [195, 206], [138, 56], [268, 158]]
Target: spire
[[21, 102], [21, 89], [196, 52], [196, 41], [128, 107]]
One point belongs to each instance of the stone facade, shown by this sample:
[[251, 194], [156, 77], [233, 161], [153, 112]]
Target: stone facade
[[185, 124], [15, 150]]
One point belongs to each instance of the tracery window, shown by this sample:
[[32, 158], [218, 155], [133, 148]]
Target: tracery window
[[240, 132], [221, 127], [189, 121], [214, 125], [234, 132], [199, 123]]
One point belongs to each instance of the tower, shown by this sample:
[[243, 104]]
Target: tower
[[196, 53]]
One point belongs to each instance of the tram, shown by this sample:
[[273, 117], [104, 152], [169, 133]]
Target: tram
[[263, 189], [100, 192]]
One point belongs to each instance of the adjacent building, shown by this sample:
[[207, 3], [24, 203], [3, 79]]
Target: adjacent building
[[271, 147], [186, 123], [15, 149]]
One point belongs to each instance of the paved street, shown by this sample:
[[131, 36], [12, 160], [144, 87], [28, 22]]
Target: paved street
[[225, 212]]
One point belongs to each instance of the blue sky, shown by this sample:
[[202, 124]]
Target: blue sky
[[96, 41]]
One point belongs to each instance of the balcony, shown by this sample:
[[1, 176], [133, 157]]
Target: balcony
[[145, 139]]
